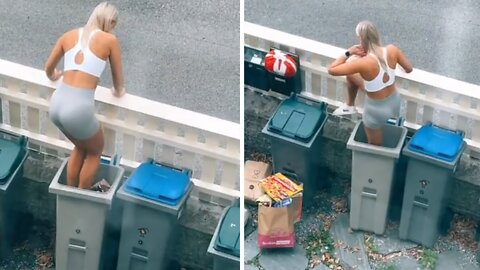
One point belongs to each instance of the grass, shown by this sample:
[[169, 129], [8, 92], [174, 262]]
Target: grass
[[428, 259]]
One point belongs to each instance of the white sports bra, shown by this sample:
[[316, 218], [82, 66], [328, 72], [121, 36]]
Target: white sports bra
[[91, 64], [377, 83]]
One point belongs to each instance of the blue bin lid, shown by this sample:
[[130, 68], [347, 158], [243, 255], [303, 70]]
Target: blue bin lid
[[10, 154], [228, 237], [296, 119], [158, 183], [437, 142]]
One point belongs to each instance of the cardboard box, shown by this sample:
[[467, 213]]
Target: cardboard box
[[254, 172]]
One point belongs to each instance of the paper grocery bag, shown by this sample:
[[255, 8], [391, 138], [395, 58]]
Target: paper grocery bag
[[297, 202], [275, 227], [254, 172]]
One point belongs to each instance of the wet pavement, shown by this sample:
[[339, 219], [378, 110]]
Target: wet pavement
[[183, 53], [437, 36]]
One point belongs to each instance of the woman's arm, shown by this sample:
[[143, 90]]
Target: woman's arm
[[341, 67], [50, 66], [117, 69], [403, 61]]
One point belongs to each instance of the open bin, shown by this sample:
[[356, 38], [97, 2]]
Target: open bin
[[82, 218], [255, 74], [373, 172], [433, 155], [153, 199], [225, 243], [13, 153], [295, 134]]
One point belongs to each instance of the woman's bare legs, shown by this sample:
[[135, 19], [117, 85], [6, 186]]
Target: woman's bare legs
[[75, 162], [354, 84], [93, 149], [374, 136]]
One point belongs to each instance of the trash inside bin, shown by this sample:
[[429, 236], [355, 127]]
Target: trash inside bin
[[225, 243], [433, 155], [13, 153], [82, 216], [373, 172], [294, 131], [153, 197]]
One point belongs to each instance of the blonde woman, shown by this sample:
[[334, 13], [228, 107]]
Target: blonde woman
[[85, 51], [373, 71]]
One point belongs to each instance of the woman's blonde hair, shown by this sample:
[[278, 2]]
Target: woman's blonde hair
[[103, 17], [370, 39]]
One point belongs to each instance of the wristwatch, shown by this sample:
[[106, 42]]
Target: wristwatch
[[348, 54]]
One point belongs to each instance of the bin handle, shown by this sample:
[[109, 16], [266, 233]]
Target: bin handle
[[396, 121], [459, 132], [186, 171], [114, 160]]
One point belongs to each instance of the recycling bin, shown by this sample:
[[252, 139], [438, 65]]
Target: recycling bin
[[373, 173], [82, 218], [255, 74], [153, 199], [225, 243], [294, 131], [13, 153], [433, 155]]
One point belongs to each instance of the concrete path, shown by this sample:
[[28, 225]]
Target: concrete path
[[183, 53]]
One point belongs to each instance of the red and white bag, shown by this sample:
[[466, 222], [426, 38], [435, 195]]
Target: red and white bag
[[280, 63]]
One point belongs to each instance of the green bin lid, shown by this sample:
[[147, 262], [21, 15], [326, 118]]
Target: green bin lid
[[9, 154], [296, 119], [228, 238]]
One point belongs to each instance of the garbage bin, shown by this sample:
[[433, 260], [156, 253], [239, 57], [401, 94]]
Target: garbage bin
[[13, 153], [433, 155], [255, 74], [153, 197], [82, 217], [373, 172], [225, 243], [294, 131]]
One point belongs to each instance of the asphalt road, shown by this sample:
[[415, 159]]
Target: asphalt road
[[184, 53], [439, 36]]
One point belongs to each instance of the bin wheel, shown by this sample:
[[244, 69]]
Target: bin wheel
[[445, 222]]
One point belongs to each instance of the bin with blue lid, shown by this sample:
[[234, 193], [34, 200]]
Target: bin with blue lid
[[13, 153], [433, 156], [153, 199], [83, 217], [295, 131], [225, 243], [373, 174]]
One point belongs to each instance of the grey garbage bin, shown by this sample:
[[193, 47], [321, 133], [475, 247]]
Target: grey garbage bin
[[225, 243], [433, 155], [373, 172], [82, 218], [153, 197], [13, 153], [294, 131]]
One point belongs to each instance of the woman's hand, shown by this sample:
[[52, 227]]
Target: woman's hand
[[118, 93], [357, 50], [56, 75]]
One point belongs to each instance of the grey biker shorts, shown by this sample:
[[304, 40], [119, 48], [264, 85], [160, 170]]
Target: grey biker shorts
[[72, 110], [377, 112]]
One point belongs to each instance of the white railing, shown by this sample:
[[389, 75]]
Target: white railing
[[426, 96], [135, 127]]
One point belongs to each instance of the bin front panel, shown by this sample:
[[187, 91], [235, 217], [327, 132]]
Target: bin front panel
[[424, 202], [146, 238], [372, 180], [80, 230]]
